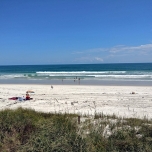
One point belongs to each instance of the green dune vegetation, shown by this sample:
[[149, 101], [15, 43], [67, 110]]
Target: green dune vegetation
[[25, 130]]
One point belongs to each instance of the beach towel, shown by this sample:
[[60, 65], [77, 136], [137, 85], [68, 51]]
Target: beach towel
[[13, 98]]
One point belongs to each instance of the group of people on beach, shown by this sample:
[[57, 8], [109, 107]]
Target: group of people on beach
[[25, 98], [21, 98]]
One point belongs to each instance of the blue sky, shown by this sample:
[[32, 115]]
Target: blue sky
[[75, 31]]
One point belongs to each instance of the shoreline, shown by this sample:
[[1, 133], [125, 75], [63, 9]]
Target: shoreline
[[81, 99], [91, 82]]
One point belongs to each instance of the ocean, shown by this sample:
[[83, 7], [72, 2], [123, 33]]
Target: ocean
[[127, 73]]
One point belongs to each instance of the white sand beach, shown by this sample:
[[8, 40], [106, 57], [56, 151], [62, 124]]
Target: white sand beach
[[81, 99]]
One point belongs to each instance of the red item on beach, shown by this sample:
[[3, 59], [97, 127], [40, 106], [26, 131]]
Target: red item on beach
[[27, 98], [13, 98]]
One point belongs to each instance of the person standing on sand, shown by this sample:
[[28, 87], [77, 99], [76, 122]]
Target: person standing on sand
[[79, 80]]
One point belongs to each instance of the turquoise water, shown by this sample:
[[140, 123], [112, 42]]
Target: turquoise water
[[106, 72]]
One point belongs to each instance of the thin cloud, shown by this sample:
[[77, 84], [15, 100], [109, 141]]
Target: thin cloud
[[89, 60], [142, 53], [77, 52], [91, 51], [130, 49], [120, 48], [119, 53], [98, 50], [98, 59]]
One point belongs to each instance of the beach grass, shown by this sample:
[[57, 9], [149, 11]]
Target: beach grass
[[25, 130]]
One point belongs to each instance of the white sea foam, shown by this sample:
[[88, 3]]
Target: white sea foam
[[143, 75], [123, 76], [78, 72], [99, 74], [11, 76]]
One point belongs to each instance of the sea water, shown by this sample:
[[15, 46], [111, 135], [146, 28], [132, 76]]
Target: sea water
[[139, 73]]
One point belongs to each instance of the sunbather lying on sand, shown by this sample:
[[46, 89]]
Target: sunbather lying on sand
[[20, 98]]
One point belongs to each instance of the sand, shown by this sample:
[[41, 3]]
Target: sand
[[81, 99]]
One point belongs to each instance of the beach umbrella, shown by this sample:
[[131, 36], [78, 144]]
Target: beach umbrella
[[29, 91]]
